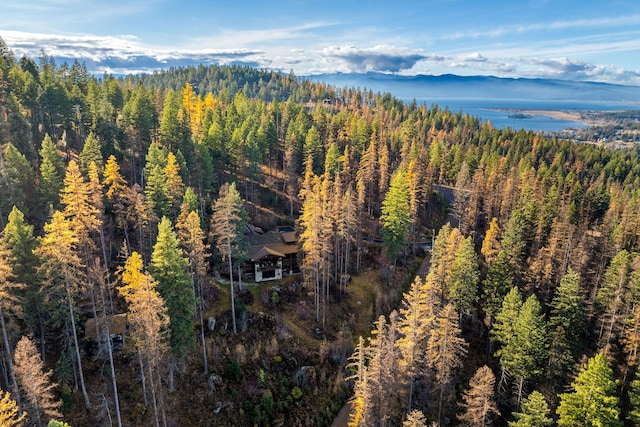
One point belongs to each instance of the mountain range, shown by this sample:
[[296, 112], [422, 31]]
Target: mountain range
[[449, 86]]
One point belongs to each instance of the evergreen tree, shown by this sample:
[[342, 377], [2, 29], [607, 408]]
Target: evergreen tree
[[35, 383], [174, 126], [51, 174], [171, 270], [157, 192], [613, 296], [567, 324], [91, 152], [396, 218], [534, 412], [16, 182], [156, 156], [522, 334], [593, 401], [464, 277], [227, 228], [497, 284], [634, 400], [19, 239], [18, 236]]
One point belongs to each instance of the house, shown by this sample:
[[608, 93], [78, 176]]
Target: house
[[117, 329], [271, 254]]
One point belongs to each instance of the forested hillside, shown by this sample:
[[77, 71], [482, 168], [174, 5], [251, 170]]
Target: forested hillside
[[132, 195]]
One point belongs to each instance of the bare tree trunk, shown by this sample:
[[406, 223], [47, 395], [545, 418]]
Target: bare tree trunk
[[87, 403], [233, 305], [7, 351], [153, 397], [113, 375], [142, 378], [106, 268], [204, 345]]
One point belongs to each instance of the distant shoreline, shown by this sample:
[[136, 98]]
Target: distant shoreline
[[574, 116]]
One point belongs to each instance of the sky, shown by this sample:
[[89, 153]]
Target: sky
[[574, 40]]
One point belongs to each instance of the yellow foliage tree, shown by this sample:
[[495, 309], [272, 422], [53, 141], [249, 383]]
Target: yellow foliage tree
[[9, 412]]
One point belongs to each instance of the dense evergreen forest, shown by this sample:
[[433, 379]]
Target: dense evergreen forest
[[132, 196]]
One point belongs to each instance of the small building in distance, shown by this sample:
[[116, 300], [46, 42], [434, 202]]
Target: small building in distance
[[117, 330], [271, 254]]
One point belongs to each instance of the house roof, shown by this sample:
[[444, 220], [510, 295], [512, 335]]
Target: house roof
[[117, 325], [256, 253], [271, 243], [289, 237]]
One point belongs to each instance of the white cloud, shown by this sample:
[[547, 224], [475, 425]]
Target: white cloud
[[107, 53], [383, 58]]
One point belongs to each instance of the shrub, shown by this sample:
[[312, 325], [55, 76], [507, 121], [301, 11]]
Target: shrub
[[296, 393]]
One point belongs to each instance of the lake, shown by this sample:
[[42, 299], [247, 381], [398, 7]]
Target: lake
[[498, 110]]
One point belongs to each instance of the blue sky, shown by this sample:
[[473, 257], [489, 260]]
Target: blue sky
[[577, 40]]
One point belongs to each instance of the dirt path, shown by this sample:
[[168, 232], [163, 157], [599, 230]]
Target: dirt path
[[342, 419]]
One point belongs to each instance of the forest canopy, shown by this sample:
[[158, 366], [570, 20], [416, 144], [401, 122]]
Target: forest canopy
[[130, 194]]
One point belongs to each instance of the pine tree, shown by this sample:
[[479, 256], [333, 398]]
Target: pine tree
[[478, 405], [593, 401], [396, 216], [613, 295], [567, 324], [156, 156], [227, 228], [157, 192], [19, 239], [171, 270], [464, 277], [16, 182], [522, 333], [534, 412], [497, 285], [35, 382], [10, 415], [51, 174], [634, 400], [91, 153]]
